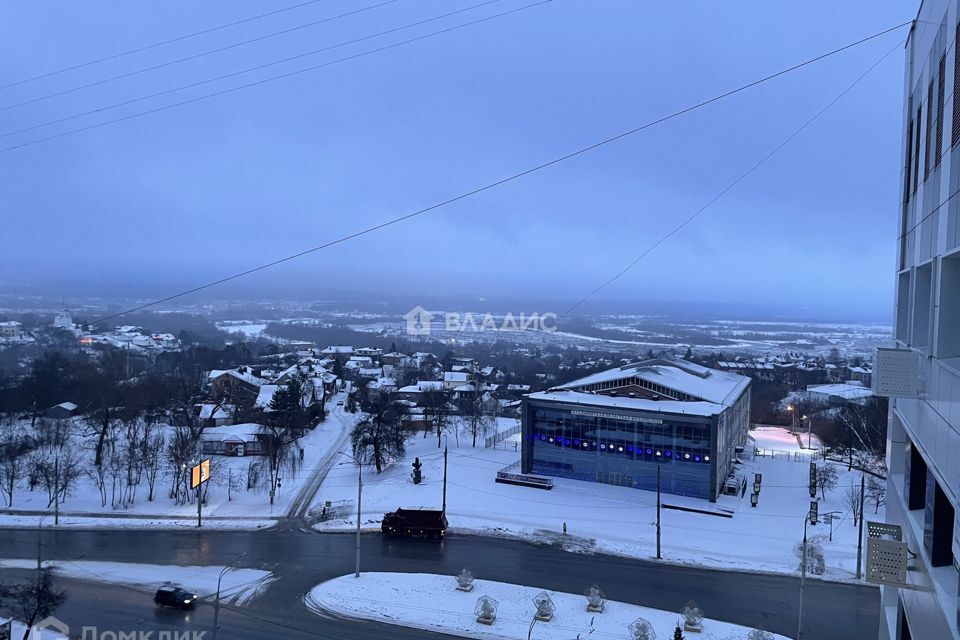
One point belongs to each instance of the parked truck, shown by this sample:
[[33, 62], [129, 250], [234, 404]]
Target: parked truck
[[415, 523]]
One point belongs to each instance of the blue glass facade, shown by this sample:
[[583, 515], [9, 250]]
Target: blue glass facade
[[621, 447]]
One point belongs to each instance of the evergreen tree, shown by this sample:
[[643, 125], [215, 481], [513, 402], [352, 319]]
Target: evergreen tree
[[678, 633]]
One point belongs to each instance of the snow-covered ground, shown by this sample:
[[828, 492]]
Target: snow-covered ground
[[775, 440], [239, 586], [432, 603], [229, 503], [607, 518]]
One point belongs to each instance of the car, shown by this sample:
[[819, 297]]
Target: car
[[170, 596], [340, 403]]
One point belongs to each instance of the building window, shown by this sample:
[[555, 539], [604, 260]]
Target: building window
[[906, 169], [914, 478], [916, 151], [955, 133], [941, 80], [938, 524], [929, 132]]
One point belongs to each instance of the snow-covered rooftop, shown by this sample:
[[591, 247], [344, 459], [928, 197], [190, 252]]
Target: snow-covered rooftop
[[707, 384], [845, 390], [699, 408]]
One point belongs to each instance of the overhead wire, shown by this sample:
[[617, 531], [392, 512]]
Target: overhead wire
[[508, 179], [155, 45], [743, 176], [262, 81], [195, 56]]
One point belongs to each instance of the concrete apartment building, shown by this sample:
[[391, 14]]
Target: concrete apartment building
[[923, 448]]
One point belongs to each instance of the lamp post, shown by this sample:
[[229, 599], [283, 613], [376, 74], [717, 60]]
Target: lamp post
[[216, 603], [359, 498], [807, 420], [793, 417], [658, 508], [803, 575]]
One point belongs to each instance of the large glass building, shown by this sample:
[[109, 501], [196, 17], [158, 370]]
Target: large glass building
[[618, 426]]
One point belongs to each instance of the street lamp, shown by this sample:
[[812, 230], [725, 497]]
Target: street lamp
[[216, 603], [793, 417], [803, 572], [359, 498], [807, 420]]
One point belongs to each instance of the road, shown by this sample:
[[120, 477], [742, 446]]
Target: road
[[302, 560]]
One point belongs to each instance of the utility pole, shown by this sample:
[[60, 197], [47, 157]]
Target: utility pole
[[445, 481], [860, 535], [359, 511], [56, 491], [199, 505], [658, 511], [803, 575], [39, 531]]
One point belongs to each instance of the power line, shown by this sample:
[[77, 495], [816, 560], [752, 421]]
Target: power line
[[501, 181], [157, 44], [257, 68], [729, 187], [194, 56]]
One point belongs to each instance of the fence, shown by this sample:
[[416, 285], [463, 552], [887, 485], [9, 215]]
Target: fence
[[491, 441], [793, 456]]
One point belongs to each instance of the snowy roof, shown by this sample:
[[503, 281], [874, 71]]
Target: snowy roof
[[249, 378], [246, 432], [338, 349], [215, 411], [691, 379], [421, 386], [10, 323], [69, 406], [265, 397], [847, 391], [635, 404], [455, 376], [370, 373]]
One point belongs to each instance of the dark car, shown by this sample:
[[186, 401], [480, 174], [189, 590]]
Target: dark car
[[175, 597]]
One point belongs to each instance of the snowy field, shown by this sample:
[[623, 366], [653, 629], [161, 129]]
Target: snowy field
[[609, 519], [229, 502], [432, 603], [239, 586]]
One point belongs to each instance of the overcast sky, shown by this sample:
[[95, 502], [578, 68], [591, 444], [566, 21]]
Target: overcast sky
[[194, 193]]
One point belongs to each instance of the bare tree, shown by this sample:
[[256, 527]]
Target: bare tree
[[281, 454], [151, 447], [181, 452], [854, 500], [436, 411], [826, 478], [379, 437], [478, 419], [34, 601], [14, 448], [877, 493]]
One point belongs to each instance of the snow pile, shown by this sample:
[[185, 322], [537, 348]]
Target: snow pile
[[432, 603], [239, 586]]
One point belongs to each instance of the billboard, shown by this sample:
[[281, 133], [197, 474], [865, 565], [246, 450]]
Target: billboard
[[200, 473]]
